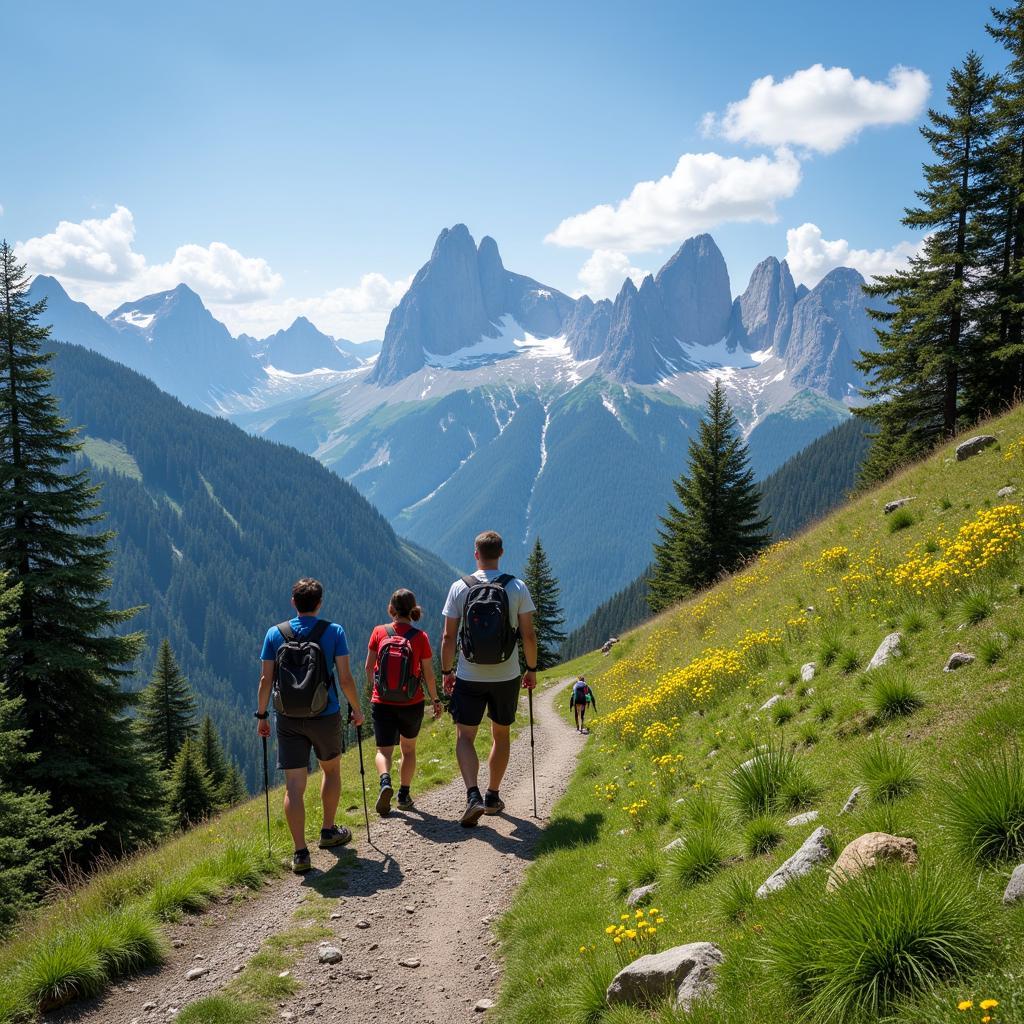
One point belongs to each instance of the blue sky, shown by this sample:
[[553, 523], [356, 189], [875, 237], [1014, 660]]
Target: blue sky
[[304, 158]]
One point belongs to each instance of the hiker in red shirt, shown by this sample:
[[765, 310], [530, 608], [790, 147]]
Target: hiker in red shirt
[[398, 663]]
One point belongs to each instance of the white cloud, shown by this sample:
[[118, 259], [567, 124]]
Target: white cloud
[[704, 190], [820, 108], [603, 274], [811, 256], [95, 260]]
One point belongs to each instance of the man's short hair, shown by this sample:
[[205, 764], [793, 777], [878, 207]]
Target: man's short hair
[[307, 594], [489, 545]]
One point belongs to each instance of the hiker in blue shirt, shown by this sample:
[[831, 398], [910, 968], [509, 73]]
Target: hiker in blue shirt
[[299, 661], [579, 697]]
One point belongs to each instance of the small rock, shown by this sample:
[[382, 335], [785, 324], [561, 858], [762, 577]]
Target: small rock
[[328, 954], [362, 923], [238, 968], [177, 943], [149, 1006], [336, 916], [409, 961], [868, 851], [640, 895], [283, 974], [851, 800], [808, 671], [957, 660], [973, 445], [1014, 890], [686, 973], [803, 819], [891, 506], [483, 1005], [196, 973], [770, 702], [1006, 492], [891, 647], [677, 844], [287, 1015], [814, 851]]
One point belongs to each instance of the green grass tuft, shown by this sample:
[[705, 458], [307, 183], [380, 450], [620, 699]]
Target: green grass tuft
[[737, 897], [68, 967], [983, 807], [769, 782], [889, 771], [782, 712], [762, 834], [900, 520], [702, 856], [222, 1010], [892, 695]]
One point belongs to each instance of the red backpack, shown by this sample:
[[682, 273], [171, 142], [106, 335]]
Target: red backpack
[[393, 678]]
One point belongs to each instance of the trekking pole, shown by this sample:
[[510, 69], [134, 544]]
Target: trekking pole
[[533, 759], [362, 778], [266, 794]]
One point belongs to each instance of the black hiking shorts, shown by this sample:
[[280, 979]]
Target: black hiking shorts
[[393, 720], [296, 737], [471, 699]]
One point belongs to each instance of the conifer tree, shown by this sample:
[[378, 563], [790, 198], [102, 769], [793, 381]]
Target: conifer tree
[[35, 840], [717, 525], [190, 794], [167, 709], [548, 618], [65, 658], [212, 752], [931, 344], [233, 790]]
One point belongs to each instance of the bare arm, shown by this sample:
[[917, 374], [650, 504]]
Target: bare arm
[[528, 636], [348, 687], [263, 696], [370, 666], [448, 648]]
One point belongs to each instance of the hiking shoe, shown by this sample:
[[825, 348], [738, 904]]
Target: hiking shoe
[[405, 801], [493, 804], [301, 862], [473, 813], [337, 835], [383, 804]]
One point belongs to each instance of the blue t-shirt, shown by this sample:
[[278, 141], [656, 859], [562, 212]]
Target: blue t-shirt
[[332, 643]]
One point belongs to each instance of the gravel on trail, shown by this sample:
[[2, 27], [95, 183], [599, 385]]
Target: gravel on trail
[[429, 890]]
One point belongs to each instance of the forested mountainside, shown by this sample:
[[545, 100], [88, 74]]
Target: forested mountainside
[[212, 526], [806, 487]]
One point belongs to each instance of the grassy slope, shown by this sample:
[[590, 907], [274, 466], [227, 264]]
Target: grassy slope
[[226, 854], [559, 959]]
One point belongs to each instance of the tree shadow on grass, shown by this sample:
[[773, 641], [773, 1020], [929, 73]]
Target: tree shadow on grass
[[563, 833]]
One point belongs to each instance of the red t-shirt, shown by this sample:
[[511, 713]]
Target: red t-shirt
[[420, 652]]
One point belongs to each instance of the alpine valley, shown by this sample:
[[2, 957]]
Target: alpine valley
[[498, 402]]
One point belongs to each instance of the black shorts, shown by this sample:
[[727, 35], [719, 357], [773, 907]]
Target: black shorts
[[393, 720], [297, 736], [470, 699]]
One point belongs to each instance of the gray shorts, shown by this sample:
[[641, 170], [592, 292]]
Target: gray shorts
[[297, 736]]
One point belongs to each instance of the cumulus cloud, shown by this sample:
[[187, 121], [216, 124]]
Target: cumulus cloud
[[703, 191], [820, 108], [602, 275], [96, 261], [811, 256]]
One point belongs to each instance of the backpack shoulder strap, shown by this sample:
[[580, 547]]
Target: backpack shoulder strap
[[285, 629], [504, 579], [391, 631], [316, 634], [471, 581]]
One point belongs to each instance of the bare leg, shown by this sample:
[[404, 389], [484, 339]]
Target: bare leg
[[383, 759], [465, 753], [498, 760], [294, 805], [330, 789], [408, 760]]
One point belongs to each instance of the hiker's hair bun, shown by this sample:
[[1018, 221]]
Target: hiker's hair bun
[[403, 605], [416, 613]]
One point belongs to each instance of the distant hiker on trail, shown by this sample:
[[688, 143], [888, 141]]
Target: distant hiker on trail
[[398, 662], [486, 614], [579, 697], [300, 658]]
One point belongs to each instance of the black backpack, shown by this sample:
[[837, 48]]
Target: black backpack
[[486, 636], [302, 680]]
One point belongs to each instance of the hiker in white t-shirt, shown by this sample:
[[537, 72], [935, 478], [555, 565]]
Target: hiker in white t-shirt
[[485, 616]]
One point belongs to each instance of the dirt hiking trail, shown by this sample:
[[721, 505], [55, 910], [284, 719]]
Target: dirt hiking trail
[[426, 890]]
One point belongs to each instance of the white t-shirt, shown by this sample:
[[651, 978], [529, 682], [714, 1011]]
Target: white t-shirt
[[519, 603]]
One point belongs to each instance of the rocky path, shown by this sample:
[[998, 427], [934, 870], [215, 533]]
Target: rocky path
[[425, 893]]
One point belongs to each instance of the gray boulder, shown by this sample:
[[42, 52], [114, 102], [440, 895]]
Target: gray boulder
[[683, 973], [957, 660], [641, 895], [815, 850], [973, 445], [898, 503], [851, 800], [891, 647], [1006, 492], [803, 819], [770, 702], [1015, 888], [328, 954], [808, 671], [677, 844]]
